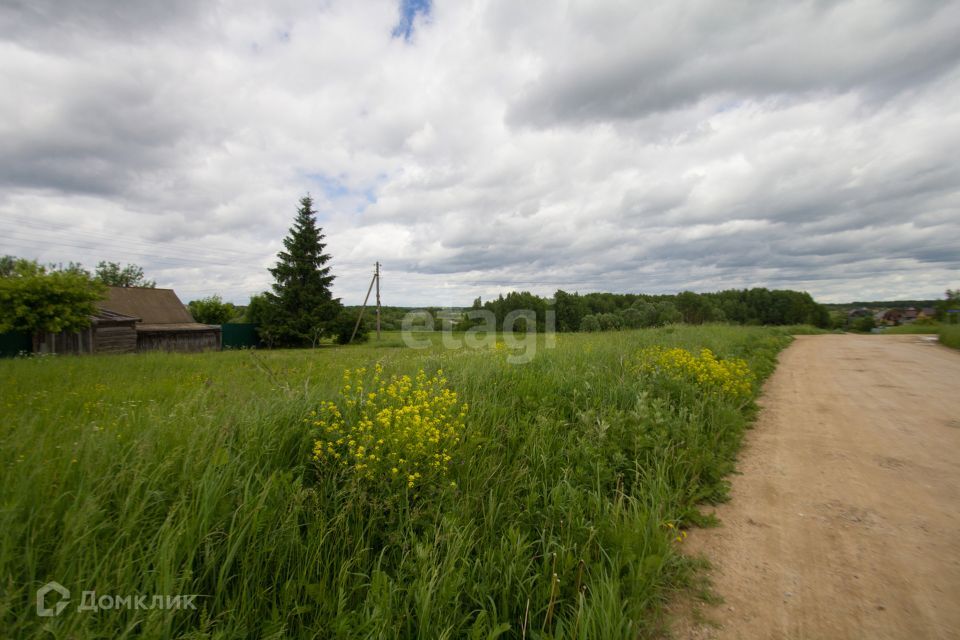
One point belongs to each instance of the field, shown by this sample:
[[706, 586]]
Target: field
[[557, 509]]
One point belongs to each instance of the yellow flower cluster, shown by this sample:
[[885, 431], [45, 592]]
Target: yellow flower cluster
[[730, 378], [400, 429]]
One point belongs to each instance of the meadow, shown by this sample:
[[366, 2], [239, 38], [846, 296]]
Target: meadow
[[322, 494]]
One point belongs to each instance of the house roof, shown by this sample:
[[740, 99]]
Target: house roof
[[151, 306], [108, 316]]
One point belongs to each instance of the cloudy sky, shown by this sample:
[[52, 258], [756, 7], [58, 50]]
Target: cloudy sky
[[481, 146]]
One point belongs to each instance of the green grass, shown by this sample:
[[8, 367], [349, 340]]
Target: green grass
[[911, 329], [192, 474], [949, 333]]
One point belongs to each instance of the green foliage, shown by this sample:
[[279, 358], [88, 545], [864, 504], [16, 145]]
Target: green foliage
[[36, 299], [211, 310], [667, 313], [519, 301], [947, 309], [634, 311], [191, 474], [12, 266], [950, 335], [8, 265], [257, 309], [609, 321], [302, 307], [697, 309], [570, 310], [641, 315], [344, 325], [590, 324], [113, 274], [866, 324]]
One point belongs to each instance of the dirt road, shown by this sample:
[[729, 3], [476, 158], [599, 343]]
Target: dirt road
[[845, 519]]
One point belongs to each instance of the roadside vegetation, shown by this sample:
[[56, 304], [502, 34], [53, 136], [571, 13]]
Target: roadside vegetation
[[949, 334], [541, 500]]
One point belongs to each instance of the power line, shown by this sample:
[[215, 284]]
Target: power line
[[167, 260], [127, 240], [199, 253], [93, 240], [183, 257]]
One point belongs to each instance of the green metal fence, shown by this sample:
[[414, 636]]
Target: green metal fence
[[240, 336], [15, 342]]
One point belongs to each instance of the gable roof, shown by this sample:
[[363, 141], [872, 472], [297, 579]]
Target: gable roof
[[107, 317], [151, 306]]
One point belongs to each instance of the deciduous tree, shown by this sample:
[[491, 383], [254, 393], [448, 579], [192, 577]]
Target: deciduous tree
[[113, 274], [36, 299], [211, 310]]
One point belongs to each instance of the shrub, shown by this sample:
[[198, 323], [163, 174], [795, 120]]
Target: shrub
[[394, 432], [590, 324], [211, 310], [865, 324], [343, 326]]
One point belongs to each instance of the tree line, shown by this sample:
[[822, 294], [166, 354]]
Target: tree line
[[610, 311]]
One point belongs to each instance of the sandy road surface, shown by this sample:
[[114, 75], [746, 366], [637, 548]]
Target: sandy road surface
[[845, 519]]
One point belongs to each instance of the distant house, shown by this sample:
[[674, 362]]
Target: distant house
[[861, 312], [927, 313], [164, 323], [892, 316], [133, 319]]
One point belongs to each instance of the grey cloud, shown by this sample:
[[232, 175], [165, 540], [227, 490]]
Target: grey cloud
[[54, 24], [657, 60]]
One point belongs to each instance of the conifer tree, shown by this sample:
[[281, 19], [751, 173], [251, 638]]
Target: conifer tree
[[302, 308]]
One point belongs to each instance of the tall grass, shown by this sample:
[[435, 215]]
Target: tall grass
[[192, 474], [950, 335]]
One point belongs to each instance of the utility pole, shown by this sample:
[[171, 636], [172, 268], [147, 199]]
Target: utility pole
[[376, 276], [375, 279]]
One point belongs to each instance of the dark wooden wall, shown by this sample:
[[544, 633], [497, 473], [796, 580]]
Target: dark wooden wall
[[178, 340], [66, 342], [98, 339], [118, 339]]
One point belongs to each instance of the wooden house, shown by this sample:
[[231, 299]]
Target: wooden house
[[133, 319], [164, 323], [108, 332]]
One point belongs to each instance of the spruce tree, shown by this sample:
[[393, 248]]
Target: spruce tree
[[302, 307]]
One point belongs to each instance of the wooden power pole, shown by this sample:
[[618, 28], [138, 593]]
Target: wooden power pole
[[374, 280], [376, 276]]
